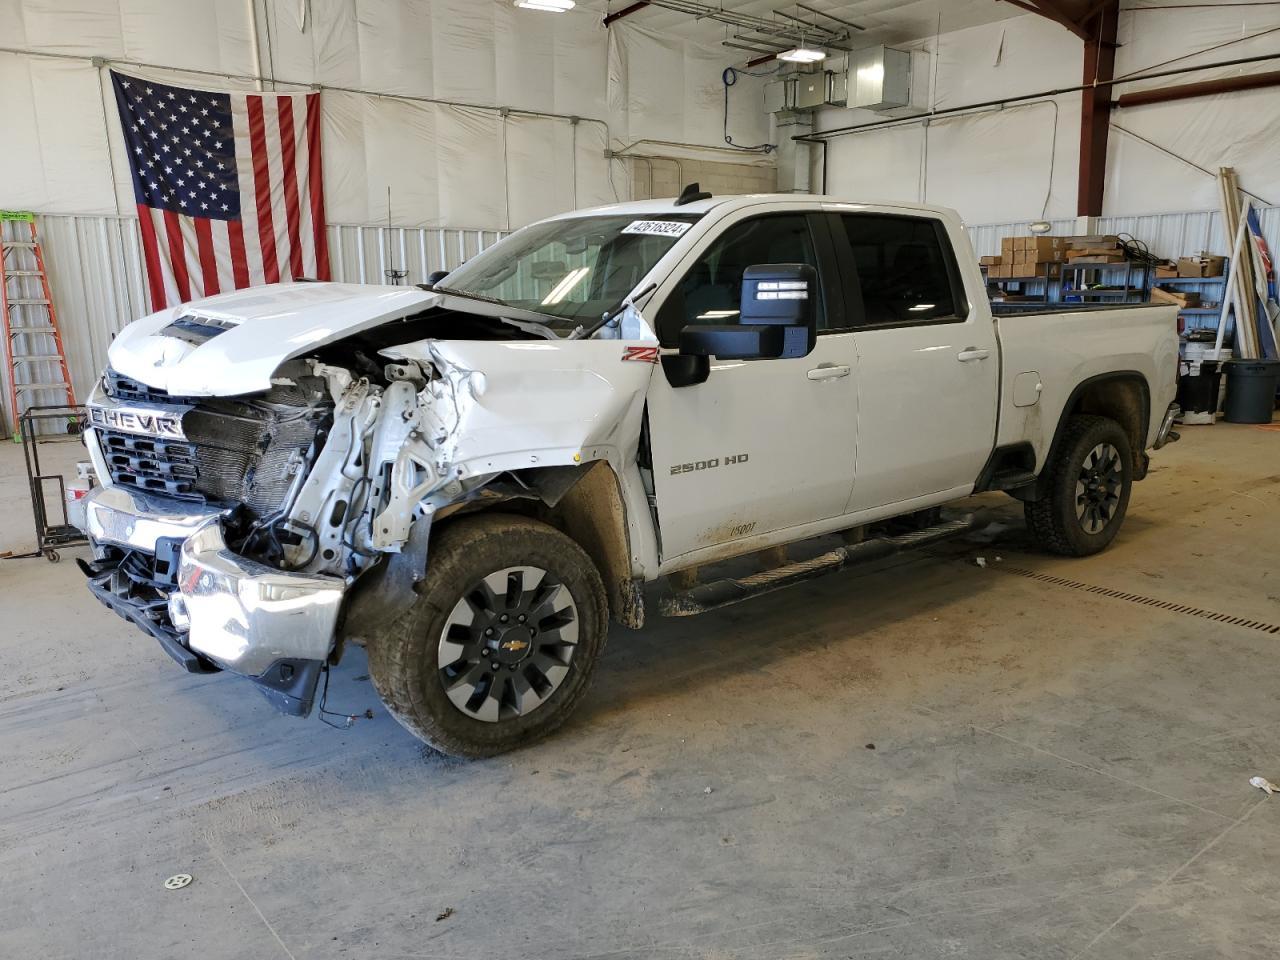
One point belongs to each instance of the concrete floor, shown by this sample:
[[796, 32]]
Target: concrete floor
[[1055, 773]]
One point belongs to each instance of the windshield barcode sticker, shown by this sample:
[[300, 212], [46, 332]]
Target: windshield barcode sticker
[[658, 228]]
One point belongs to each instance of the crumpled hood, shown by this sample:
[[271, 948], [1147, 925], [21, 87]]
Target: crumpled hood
[[232, 343]]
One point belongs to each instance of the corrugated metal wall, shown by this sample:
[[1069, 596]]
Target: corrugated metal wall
[[95, 263], [95, 270], [1168, 235]]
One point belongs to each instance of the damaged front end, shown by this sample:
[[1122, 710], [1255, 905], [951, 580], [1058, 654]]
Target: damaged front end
[[254, 534]]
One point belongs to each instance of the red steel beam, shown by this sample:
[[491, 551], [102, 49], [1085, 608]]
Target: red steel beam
[[1095, 108], [625, 12], [1050, 11], [767, 58], [1205, 88]]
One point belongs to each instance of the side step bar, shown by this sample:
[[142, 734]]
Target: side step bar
[[722, 593]]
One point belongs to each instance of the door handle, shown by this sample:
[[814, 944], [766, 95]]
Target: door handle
[[970, 354], [828, 371]]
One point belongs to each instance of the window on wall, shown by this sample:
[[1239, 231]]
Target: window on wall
[[905, 268], [712, 289]]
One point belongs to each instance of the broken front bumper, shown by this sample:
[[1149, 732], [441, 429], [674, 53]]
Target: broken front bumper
[[165, 566]]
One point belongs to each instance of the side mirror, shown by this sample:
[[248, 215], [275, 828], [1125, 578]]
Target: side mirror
[[776, 319], [435, 276]]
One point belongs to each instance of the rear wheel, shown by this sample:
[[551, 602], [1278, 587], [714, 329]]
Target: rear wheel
[[500, 645], [1087, 490]]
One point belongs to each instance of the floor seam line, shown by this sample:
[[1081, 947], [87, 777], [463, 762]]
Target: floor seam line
[[1169, 879], [245, 894], [1085, 766]]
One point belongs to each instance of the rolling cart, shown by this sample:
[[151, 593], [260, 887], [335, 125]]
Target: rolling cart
[[60, 423]]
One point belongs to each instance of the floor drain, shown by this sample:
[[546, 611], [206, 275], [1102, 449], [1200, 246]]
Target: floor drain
[[1145, 601]]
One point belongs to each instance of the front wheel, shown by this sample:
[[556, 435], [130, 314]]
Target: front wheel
[[500, 645], [1087, 489]]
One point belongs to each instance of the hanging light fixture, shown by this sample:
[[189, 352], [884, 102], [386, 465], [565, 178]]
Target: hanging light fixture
[[547, 6], [802, 54]]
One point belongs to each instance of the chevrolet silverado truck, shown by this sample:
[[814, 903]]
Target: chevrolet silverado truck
[[474, 477]]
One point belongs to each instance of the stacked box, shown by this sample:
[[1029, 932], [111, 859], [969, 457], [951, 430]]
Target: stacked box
[[1182, 299], [1204, 265]]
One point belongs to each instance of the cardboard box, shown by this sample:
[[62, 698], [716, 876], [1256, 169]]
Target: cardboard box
[[1007, 248], [1166, 271], [1046, 248], [1109, 240], [1001, 271], [1182, 299], [1098, 258], [990, 261], [1204, 265]]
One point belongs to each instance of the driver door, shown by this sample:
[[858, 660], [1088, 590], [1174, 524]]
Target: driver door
[[761, 445]]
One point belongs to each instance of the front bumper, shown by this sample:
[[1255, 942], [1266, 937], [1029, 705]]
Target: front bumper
[[166, 567]]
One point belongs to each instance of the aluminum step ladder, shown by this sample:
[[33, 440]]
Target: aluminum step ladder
[[35, 361]]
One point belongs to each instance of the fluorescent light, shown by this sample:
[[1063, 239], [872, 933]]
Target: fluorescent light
[[548, 6], [921, 306], [802, 55], [561, 289], [717, 314]]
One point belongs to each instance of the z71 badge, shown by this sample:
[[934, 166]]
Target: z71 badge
[[643, 354]]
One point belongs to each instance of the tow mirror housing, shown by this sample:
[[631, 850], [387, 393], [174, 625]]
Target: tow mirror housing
[[775, 319]]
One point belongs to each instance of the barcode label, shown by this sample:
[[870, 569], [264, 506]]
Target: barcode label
[[657, 228]]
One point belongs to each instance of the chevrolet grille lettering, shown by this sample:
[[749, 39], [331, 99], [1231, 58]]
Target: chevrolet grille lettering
[[138, 420]]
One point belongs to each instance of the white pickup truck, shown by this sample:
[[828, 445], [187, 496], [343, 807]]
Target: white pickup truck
[[474, 477]]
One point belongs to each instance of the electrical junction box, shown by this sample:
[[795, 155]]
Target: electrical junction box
[[779, 95], [811, 91], [879, 78]]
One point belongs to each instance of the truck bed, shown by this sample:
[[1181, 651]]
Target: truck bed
[[1062, 346]]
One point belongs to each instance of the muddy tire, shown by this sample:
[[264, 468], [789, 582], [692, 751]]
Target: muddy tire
[[1087, 489], [500, 645]]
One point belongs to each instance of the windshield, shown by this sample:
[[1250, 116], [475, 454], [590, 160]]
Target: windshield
[[572, 270]]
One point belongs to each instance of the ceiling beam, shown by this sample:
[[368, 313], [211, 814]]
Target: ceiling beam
[[1205, 88], [611, 18], [1050, 10]]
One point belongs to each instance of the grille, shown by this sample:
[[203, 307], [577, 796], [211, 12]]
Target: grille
[[152, 466], [122, 388], [246, 451]]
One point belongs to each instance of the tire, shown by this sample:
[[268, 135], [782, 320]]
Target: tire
[[540, 665], [1087, 489]]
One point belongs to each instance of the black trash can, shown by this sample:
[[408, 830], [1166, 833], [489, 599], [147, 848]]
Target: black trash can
[[1251, 390]]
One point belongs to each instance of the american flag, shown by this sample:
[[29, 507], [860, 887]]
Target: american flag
[[228, 187]]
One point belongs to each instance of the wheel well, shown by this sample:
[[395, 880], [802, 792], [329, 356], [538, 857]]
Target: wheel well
[[591, 513], [1124, 398]]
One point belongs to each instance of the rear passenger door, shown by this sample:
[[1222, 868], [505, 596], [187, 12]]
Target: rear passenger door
[[928, 363]]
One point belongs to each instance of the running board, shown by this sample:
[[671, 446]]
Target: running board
[[722, 593]]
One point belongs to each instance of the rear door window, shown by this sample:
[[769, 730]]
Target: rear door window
[[905, 268]]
